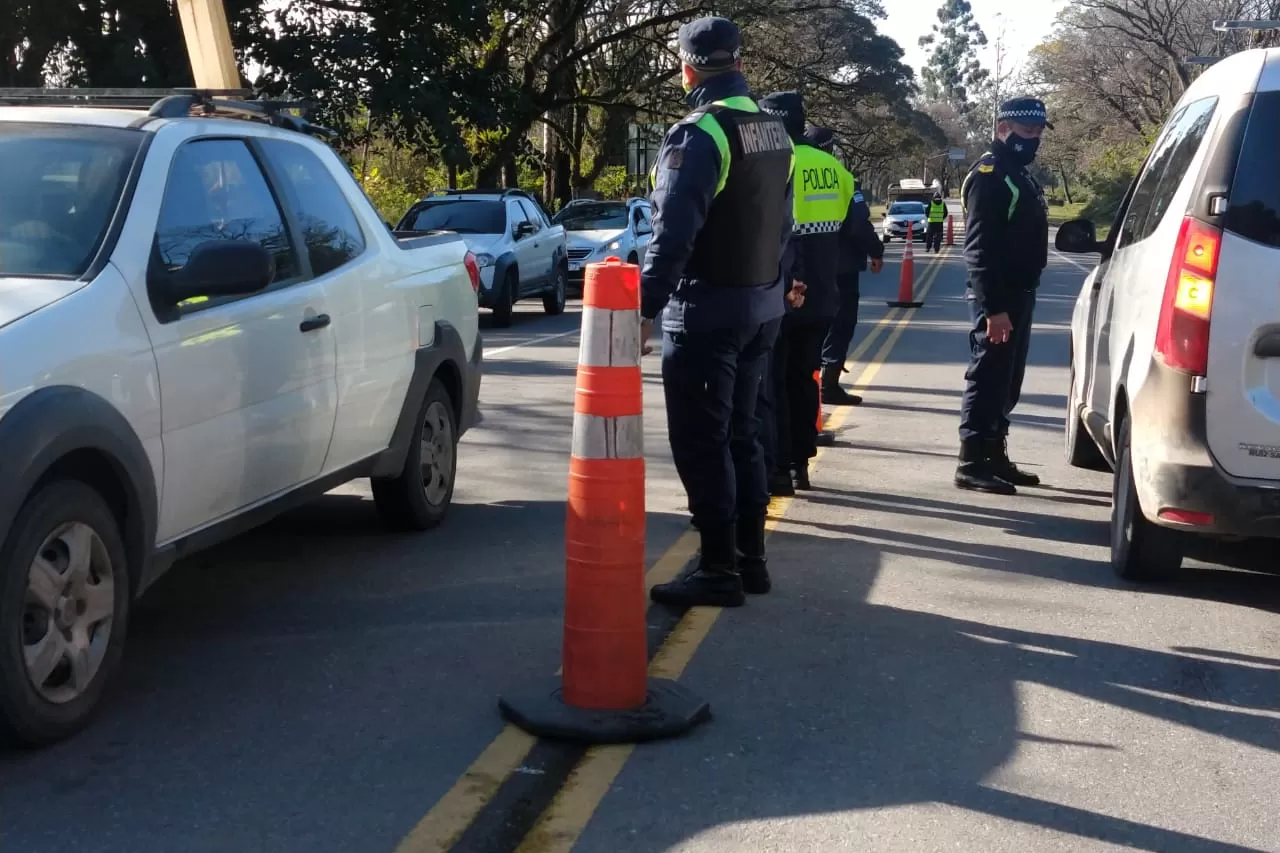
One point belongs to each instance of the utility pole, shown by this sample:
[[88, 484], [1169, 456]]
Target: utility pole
[[999, 76]]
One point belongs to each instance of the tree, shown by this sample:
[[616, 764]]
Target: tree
[[953, 73]]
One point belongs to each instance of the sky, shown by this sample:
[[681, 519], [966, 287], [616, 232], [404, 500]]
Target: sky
[[1025, 24]]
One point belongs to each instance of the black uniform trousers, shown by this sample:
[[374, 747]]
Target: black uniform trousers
[[835, 349], [795, 393], [993, 381], [711, 380], [933, 237]]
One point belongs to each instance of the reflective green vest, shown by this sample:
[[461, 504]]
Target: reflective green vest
[[823, 191], [937, 211], [706, 122]]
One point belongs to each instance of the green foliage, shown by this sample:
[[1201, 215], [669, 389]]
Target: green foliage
[[954, 74]]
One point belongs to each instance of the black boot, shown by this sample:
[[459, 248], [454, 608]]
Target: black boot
[[977, 472], [998, 452], [802, 477], [715, 582], [832, 393], [780, 485], [752, 565]]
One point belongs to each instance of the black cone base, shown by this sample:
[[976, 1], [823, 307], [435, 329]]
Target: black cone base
[[670, 710], [897, 304], [826, 438]]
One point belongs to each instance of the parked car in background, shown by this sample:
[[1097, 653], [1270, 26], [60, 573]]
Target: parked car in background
[[596, 230], [520, 252], [203, 323], [898, 215], [1175, 338]]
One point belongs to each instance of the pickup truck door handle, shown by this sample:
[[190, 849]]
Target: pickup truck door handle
[[312, 323], [1268, 346]]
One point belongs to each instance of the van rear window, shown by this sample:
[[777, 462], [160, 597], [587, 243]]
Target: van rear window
[[1254, 211]]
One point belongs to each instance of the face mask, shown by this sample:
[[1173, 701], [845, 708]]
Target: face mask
[[1023, 148]]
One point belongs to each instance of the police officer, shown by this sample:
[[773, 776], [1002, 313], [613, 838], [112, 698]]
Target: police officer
[[937, 215], [721, 218], [1005, 250], [823, 196], [858, 241]]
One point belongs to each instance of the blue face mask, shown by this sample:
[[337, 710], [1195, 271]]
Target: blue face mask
[[1023, 148]]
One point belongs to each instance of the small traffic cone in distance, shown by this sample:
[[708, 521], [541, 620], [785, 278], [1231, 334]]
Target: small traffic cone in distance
[[951, 234], [907, 276], [604, 694], [826, 437]]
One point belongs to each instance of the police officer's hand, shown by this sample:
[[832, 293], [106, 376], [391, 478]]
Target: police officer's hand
[[999, 328], [646, 332], [795, 296], [877, 264]]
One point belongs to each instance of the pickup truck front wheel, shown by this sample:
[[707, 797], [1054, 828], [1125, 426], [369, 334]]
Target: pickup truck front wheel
[[553, 301], [505, 306], [64, 601], [419, 497]]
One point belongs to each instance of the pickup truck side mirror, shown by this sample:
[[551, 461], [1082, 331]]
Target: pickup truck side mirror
[[1077, 237], [524, 229], [223, 268]]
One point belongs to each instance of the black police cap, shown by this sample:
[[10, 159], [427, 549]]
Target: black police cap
[[1028, 111], [820, 137], [710, 44]]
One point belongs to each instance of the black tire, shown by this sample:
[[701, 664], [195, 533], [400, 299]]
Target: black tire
[[1081, 450], [35, 714], [1140, 549], [409, 501], [503, 311], [886, 239], [554, 301]]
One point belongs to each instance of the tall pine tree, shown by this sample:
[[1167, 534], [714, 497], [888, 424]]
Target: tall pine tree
[[954, 75]]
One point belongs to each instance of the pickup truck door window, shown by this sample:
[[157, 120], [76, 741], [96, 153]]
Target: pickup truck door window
[[541, 240], [525, 251], [248, 399], [366, 303]]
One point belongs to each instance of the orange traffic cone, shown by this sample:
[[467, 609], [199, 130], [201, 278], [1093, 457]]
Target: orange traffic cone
[[826, 437], [604, 694], [951, 234], [907, 278]]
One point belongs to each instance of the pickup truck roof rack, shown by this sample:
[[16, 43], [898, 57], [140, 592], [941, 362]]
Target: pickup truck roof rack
[[176, 103], [498, 191]]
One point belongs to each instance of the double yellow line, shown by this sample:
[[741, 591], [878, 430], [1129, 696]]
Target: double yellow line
[[562, 823]]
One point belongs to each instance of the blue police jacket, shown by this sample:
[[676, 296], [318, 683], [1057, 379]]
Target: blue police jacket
[[684, 188], [858, 238]]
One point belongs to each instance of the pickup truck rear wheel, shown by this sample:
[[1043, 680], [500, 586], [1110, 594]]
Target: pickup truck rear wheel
[[419, 497], [553, 301], [64, 601], [506, 304]]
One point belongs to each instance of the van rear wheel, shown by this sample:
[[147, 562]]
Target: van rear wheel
[[1140, 549]]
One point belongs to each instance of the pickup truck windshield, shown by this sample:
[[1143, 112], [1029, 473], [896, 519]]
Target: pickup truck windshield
[[59, 189], [460, 215], [592, 217], [910, 208]]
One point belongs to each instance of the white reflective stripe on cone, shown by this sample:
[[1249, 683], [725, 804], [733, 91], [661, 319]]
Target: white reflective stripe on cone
[[609, 338], [595, 437]]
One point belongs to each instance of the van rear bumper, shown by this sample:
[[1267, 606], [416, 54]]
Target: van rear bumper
[[1174, 469]]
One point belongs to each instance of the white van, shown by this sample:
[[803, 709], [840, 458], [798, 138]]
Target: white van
[[1175, 340]]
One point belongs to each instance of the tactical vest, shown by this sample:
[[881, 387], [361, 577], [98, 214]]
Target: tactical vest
[[823, 192], [937, 211], [739, 244]]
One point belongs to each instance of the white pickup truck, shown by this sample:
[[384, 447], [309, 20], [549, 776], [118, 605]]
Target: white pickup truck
[[203, 322], [520, 251]]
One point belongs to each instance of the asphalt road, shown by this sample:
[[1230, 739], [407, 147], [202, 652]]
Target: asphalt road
[[935, 670]]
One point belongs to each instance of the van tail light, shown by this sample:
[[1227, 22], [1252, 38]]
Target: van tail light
[[1182, 336], [473, 270]]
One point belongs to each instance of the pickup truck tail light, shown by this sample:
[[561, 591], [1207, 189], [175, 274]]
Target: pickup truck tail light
[[473, 270], [1182, 335]]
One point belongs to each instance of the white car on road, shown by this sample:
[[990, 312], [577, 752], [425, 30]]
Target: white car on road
[[1175, 339], [596, 230], [899, 215], [203, 322], [520, 252]]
